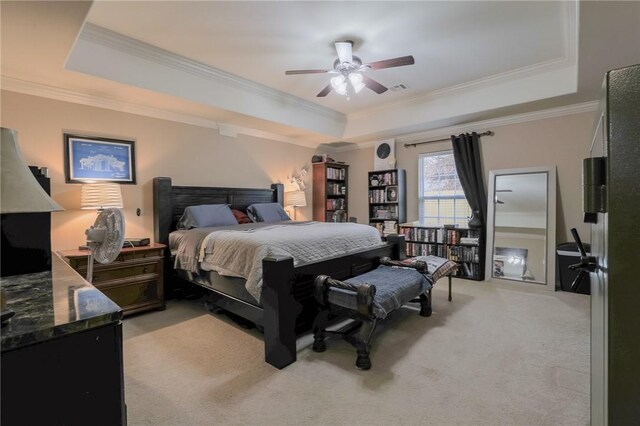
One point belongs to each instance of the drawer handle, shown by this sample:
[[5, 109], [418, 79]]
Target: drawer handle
[[144, 255], [145, 270], [94, 279]]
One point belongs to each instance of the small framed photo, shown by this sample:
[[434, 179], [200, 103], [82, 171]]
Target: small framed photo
[[94, 159], [391, 194]]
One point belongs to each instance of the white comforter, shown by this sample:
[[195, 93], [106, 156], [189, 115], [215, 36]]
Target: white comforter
[[240, 252]]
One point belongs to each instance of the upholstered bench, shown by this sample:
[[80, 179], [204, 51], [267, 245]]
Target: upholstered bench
[[374, 295]]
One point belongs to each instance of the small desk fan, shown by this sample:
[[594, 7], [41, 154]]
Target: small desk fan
[[105, 238]]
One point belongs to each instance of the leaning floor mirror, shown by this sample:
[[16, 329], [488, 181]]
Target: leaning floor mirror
[[521, 228]]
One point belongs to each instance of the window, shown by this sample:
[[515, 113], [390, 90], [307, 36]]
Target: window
[[442, 200]]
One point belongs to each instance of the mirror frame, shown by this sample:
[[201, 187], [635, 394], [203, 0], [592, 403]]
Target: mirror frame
[[550, 250]]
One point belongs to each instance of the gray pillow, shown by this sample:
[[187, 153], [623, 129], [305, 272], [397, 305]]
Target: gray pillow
[[267, 212], [206, 215]]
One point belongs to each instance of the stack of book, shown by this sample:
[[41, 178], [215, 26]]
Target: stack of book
[[470, 241], [390, 227]]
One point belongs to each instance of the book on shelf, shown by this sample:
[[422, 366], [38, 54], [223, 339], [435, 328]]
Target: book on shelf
[[382, 179], [390, 227], [470, 240], [335, 204], [431, 235], [336, 189], [335, 173], [377, 196], [384, 212], [386, 228], [457, 244]]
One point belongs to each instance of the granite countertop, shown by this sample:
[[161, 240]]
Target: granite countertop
[[52, 304]]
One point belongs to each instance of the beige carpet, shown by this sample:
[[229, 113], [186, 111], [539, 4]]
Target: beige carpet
[[495, 355]]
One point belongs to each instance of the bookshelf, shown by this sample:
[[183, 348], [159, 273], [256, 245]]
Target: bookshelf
[[330, 187], [462, 245], [387, 200]]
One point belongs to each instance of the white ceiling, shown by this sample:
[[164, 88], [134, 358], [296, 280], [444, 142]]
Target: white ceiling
[[452, 42], [221, 64]]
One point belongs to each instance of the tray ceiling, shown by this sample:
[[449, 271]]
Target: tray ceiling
[[221, 64]]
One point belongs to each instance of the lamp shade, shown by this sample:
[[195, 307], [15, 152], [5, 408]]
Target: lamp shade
[[100, 196], [20, 191], [295, 199]]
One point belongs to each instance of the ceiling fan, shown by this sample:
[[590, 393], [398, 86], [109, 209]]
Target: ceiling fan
[[349, 69]]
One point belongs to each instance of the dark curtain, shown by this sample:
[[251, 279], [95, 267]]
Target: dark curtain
[[466, 153]]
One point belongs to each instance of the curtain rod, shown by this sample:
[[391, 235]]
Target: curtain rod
[[407, 145]]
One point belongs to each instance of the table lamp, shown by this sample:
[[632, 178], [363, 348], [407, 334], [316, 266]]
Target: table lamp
[[100, 196], [22, 200], [295, 199]]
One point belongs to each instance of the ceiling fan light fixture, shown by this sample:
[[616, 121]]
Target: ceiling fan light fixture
[[339, 84], [348, 67], [356, 81]]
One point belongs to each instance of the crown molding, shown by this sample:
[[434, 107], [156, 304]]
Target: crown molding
[[483, 83], [485, 124], [56, 93], [119, 42], [232, 131], [65, 95], [567, 60]]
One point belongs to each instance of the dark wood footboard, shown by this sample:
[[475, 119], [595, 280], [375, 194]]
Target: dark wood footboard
[[289, 306]]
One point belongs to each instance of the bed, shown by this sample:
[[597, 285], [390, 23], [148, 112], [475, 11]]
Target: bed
[[286, 307]]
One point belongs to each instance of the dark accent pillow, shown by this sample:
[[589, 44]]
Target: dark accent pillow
[[267, 212], [205, 216], [241, 216]]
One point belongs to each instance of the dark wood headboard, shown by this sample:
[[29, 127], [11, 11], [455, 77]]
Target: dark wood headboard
[[170, 201]]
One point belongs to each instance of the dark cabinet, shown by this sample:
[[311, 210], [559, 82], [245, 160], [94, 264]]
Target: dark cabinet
[[26, 236]]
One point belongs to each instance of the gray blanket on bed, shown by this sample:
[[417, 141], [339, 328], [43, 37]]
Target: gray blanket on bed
[[240, 251]]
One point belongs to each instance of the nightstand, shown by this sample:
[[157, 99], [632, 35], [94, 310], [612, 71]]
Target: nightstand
[[134, 280]]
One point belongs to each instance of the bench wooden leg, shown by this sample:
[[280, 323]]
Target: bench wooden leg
[[449, 288], [425, 304], [319, 326], [362, 339]]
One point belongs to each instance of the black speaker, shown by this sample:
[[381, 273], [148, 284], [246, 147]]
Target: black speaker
[[26, 238]]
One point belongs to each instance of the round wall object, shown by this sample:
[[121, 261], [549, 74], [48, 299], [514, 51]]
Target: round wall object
[[383, 150]]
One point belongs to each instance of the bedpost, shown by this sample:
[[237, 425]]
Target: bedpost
[[278, 193], [399, 251], [162, 209], [280, 311]]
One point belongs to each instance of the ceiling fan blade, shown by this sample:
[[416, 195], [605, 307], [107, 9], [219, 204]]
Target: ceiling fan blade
[[293, 72], [345, 51], [324, 92], [390, 63], [373, 85]]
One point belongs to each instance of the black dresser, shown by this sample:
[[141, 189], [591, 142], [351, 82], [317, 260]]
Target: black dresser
[[62, 351]]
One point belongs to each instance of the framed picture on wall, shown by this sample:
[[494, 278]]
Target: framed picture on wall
[[94, 159]]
